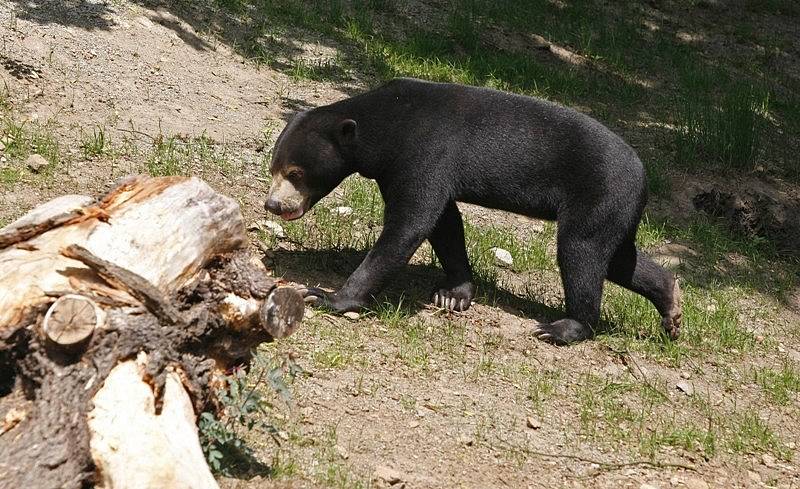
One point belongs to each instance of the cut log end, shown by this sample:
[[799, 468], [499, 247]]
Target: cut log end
[[281, 312], [71, 320]]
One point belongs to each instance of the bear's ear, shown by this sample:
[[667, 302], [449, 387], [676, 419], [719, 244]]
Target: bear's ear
[[346, 132]]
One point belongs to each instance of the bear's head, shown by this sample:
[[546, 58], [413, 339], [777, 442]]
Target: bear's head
[[312, 156]]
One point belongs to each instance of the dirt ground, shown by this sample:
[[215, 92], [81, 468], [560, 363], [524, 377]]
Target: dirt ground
[[418, 398]]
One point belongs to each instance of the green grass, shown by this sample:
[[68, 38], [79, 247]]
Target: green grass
[[750, 434], [781, 386], [9, 175], [722, 131], [23, 139], [528, 253], [619, 413], [96, 144], [318, 70], [720, 117], [194, 156]]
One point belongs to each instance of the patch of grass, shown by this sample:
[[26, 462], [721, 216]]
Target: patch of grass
[[331, 470], [529, 254], [750, 434], [679, 434], [412, 336], [781, 386], [194, 156], [318, 70], [96, 144], [651, 233], [413, 345], [719, 131], [9, 175], [335, 346], [710, 325], [462, 22], [658, 183], [537, 384], [603, 411], [448, 340], [23, 139]]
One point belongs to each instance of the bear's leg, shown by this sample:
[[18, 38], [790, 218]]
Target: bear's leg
[[584, 264], [638, 273], [447, 239]]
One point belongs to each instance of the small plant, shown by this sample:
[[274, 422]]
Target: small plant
[[782, 386], [719, 131], [462, 24], [9, 175], [95, 145], [165, 158], [243, 410]]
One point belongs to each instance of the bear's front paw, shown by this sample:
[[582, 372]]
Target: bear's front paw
[[317, 297], [457, 298], [563, 332]]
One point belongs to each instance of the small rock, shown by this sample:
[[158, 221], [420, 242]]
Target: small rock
[[534, 423], [341, 451], [413, 424], [648, 486], [466, 440], [502, 257], [672, 255], [686, 375], [270, 226], [693, 483], [768, 460], [685, 387], [352, 315], [343, 211], [754, 476], [36, 162], [388, 475]]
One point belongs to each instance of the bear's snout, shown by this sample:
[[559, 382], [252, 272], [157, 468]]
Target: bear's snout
[[273, 206]]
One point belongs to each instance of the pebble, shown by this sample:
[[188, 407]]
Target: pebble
[[502, 257], [685, 387], [343, 211], [388, 475], [270, 226], [352, 315], [36, 162], [342, 452], [693, 483], [648, 486], [534, 423]]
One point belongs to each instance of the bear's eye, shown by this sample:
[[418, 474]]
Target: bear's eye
[[295, 174]]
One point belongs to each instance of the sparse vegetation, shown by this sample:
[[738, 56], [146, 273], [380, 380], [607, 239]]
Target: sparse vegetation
[[462, 387]]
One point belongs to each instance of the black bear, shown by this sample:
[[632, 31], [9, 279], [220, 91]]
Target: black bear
[[430, 145]]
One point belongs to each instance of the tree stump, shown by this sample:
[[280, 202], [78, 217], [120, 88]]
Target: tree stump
[[115, 316]]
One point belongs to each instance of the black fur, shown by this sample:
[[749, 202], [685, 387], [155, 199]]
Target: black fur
[[429, 145]]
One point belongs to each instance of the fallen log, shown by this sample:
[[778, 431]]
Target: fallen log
[[116, 315]]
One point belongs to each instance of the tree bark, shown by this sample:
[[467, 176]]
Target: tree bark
[[115, 316]]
